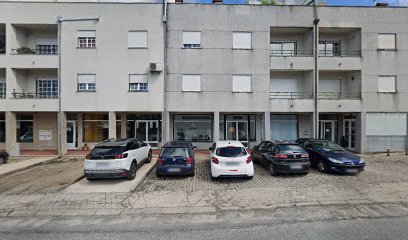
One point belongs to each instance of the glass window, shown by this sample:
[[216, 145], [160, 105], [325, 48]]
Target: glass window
[[47, 88], [86, 39], [387, 41], [95, 127], [386, 84], [168, 152], [329, 49], [2, 43], [284, 127], [137, 39], [86, 82], [25, 128], [138, 82], [283, 48], [2, 90], [191, 39], [47, 49], [195, 128], [242, 40], [231, 152], [2, 128]]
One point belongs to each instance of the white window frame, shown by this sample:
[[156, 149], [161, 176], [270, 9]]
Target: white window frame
[[3, 89], [282, 51], [142, 45], [383, 88], [88, 86], [47, 94], [240, 89], [189, 43], [188, 89], [235, 43], [87, 40], [136, 86], [387, 48]]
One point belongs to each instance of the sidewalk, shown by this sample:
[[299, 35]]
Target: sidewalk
[[22, 164]]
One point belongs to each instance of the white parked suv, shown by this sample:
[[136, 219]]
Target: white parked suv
[[117, 158], [230, 159]]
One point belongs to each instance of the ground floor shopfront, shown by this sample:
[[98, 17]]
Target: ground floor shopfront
[[367, 132]]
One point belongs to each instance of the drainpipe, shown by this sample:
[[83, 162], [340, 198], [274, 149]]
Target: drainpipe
[[164, 113], [316, 71]]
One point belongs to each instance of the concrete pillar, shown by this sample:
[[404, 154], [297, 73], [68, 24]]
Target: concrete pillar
[[167, 128], [267, 116], [63, 148], [258, 128], [80, 130], [361, 137], [112, 125], [11, 134], [216, 126], [123, 125]]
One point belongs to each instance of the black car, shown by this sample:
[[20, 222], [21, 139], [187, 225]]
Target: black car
[[327, 156], [176, 158], [281, 157]]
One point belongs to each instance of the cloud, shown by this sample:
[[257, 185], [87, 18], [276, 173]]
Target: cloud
[[399, 2]]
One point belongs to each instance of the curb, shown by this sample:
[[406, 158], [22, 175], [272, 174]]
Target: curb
[[144, 177], [29, 166]]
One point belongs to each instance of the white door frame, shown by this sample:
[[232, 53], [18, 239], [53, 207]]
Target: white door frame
[[74, 126], [146, 137], [322, 123], [236, 130], [344, 132]]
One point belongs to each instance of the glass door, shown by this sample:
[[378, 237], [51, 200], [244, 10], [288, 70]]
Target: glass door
[[349, 132], [71, 134], [237, 131], [148, 131], [327, 129]]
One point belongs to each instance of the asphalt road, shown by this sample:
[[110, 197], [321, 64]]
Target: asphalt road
[[373, 229]]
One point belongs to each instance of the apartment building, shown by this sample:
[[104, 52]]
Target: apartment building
[[234, 72]]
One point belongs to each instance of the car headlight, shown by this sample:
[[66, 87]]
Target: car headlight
[[361, 160], [335, 161]]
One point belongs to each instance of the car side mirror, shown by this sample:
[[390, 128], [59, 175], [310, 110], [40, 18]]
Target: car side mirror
[[144, 145], [210, 149], [194, 147]]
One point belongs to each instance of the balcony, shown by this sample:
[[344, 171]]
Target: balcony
[[49, 49], [34, 95]]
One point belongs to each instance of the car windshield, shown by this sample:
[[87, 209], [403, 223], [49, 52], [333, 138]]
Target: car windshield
[[107, 151], [290, 148], [329, 146], [174, 152], [231, 152]]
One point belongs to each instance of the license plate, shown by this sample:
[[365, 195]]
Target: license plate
[[295, 167], [232, 163], [102, 164], [173, 170], [351, 170]]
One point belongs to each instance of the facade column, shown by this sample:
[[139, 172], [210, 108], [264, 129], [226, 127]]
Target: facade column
[[216, 127], [123, 125], [63, 147], [167, 129], [267, 116], [80, 130], [361, 137], [112, 125], [11, 134]]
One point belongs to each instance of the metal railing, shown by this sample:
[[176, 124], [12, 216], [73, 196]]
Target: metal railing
[[45, 50], [25, 95], [291, 53], [339, 53], [309, 95]]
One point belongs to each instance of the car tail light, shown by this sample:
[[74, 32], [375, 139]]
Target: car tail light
[[159, 161], [88, 156], [305, 155], [215, 160], [249, 159], [189, 161], [281, 156], [121, 156]]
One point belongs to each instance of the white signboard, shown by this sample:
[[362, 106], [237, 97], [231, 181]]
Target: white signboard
[[45, 135]]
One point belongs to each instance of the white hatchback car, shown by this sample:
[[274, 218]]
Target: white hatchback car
[[230, 159], [117, 158]]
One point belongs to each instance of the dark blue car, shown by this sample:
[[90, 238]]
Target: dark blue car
[[176, 158], [327, 156]]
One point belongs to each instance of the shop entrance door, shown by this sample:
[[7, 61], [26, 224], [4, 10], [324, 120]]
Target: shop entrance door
[[148, 132], [237, 131]]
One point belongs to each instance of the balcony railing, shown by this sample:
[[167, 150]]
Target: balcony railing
[[309, 53], [40, 50], [25, 95], [339, 53], [309, 95]]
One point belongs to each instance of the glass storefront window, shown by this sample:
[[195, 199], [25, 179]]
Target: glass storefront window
[[284, 127], [195, 128], [25, 128], [2, 128], [95, 127]]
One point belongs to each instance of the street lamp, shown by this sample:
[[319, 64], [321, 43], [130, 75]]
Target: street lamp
[[60, 20]]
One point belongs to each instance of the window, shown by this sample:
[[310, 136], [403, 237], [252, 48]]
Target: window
[[137, 39], [241, 40], [283, 49], [2, 89], [2, 43], [2, 128], [191, 83], [138, 82], [284, 127], [191, 39], [86, 39], [25, 128], [329, 49], [387, 41], [284, 88], [195, 128], [46, 46], [329, 88], [86, 82], [47, 88], [241, 83], [386, 84], [95, 127]]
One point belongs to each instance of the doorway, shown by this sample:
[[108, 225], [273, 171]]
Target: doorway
[[237, 131], [327, 129], [71, 134], [148, 132], [349, 132]]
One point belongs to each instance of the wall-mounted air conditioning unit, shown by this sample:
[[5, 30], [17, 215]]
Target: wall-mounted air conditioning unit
[[155, 67]]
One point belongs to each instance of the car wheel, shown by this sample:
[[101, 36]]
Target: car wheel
[[272, 170], [213, 178], [192, 174], [149, 157], [250, 177], [90, 179], [2, 160], [158, 175], [321, 166], [132, 172]]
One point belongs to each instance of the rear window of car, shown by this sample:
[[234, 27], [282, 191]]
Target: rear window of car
[[174, 152], [231, 152], [107, 151], [290, 148]]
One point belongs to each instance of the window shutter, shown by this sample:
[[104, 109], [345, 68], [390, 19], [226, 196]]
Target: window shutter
[[137, 78], [332, 86], [191, 37], [242, 40], [86, 33], [137, 39], [241, 84], [284, 85], [86, 78], [386, 41], [386, 84], [192, 83]]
